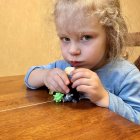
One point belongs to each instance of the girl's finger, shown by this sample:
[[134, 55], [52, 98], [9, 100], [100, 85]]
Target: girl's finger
[[64, 77], [52, 84], [52, 88], [81, 81], [60, 85], [89, 92], [84, 89], [79, 70], [80, 74]]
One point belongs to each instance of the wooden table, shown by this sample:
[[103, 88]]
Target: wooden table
[[32, 115]]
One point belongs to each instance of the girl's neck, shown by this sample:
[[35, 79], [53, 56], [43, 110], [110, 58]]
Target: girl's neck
[[101, 64]]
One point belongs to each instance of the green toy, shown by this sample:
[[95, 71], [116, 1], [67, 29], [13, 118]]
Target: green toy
[[58, 97]]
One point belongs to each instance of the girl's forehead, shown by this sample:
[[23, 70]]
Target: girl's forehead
[[77, 23]]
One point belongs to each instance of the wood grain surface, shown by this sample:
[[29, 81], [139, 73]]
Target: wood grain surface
[[32, 115]]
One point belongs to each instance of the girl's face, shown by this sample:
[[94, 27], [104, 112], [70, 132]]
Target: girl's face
[[83, 41]]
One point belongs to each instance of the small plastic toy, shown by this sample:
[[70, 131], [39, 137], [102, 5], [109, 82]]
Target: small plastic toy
[[68, 71], [58, 97], [72, 96]]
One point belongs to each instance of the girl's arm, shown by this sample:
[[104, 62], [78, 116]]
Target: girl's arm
[[35, 75], [36, 78], [127, 103]]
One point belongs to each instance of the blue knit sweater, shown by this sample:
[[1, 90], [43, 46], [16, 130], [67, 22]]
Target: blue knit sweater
[[122, 81]]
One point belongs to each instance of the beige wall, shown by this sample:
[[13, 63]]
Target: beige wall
[[27, 33]]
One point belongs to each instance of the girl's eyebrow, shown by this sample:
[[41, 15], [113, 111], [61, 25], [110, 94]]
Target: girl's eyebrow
[[58, 34], [79, 33], [88, 33]]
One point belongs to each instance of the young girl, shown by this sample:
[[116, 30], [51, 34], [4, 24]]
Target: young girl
[[92, 34]]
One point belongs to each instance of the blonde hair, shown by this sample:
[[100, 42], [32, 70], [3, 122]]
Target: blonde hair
[[109, 14]]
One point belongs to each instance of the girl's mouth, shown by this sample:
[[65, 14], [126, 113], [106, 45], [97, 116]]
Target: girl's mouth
[[75, 63]]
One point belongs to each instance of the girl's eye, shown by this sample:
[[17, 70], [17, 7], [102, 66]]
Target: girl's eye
[[64, 39], [86, 37]]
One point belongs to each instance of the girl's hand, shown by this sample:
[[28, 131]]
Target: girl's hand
[[56, 80], [88, 82]]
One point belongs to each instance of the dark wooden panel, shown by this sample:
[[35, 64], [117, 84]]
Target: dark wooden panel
[[137, 63], [133, 39]]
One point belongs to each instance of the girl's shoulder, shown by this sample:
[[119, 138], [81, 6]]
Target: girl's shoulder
[[122, 65], [116, 74], [119, 67]]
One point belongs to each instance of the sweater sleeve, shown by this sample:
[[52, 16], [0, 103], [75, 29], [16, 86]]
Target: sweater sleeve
[[57, 64], [127, 102], [49, 66]]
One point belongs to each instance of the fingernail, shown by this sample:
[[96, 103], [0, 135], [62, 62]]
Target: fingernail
[[67, 83], [71, 80], [67, 91]]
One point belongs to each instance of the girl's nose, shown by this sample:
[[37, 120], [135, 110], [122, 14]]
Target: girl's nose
[[74, 50]]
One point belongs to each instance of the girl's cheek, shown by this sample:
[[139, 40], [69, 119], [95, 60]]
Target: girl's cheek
[[64, 52], [63, 49]]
